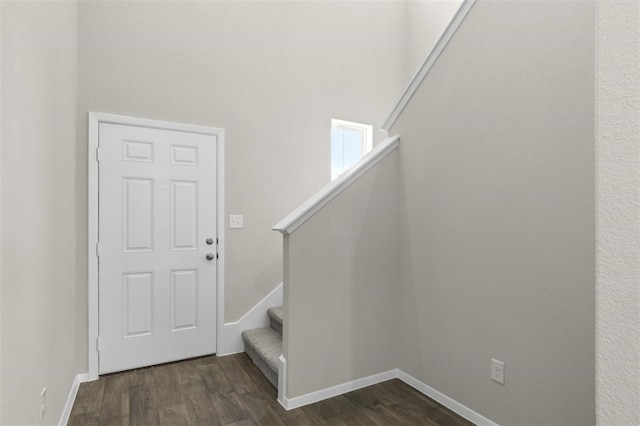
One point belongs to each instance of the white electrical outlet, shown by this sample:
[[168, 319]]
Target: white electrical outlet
[[236, 221], [43, 403], [497, 371]]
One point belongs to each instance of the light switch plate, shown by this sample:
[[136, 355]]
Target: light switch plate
[[497, 371], [236, 221]]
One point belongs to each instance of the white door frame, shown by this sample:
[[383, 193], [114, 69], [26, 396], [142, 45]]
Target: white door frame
[[95, 119]]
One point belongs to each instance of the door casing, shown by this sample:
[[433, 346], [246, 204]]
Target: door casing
[[95, 118]]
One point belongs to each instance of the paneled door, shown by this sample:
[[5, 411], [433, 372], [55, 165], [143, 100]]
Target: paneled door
[[157, 246]]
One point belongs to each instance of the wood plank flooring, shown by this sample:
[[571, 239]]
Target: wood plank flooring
[[231, 391]]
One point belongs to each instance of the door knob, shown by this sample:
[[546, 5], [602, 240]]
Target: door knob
[[210, 256]]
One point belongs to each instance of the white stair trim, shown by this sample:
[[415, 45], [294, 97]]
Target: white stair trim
[[230, 341], [282, 381], [446, 36], [310, 207], [71, 398]]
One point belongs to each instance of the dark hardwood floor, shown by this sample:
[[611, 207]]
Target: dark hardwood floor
[[231, 391]]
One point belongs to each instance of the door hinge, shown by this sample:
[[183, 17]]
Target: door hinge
[[98, 249], [98, 345], [98, 154]]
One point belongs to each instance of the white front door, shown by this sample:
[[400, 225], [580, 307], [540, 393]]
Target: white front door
[[157, 246]]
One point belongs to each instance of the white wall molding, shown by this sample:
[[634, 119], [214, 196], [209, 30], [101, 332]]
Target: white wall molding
[[230, 337], [310, 398], [321, 395], [95, 118], [310, 207], [443, 399], [447, 35], [71, 398], [313, 397]]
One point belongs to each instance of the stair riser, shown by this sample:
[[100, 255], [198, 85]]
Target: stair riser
[[264, 345], [277, 326], [271, 375]]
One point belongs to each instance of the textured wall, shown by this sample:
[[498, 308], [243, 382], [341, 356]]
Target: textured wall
[[618, 213], [1, 203], [39, 57], [341, 286], [497, 213]]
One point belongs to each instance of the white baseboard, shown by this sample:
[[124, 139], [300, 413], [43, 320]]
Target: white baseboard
[[310, 398], [230, 342], [343, 388], [443, 399], [66, 411]]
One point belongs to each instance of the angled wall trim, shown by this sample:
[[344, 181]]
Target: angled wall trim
[[310, 207], [451, 29], [230, 341]]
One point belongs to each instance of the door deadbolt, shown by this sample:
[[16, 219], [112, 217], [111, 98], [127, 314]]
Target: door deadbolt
[[209, 241]]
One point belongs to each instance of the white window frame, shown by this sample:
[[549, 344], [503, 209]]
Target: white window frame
[[365, 129]]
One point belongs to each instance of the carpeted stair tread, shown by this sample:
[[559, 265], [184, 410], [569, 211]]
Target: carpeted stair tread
[[264, 346]]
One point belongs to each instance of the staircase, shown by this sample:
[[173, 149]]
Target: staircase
[[264, 345]]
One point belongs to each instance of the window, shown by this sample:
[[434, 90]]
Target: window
[[349, 142]]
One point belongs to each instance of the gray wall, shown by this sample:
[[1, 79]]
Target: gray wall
[[273, 74], [497, 252], [38, 294], [426, 21], [42, 220], [341, 286]]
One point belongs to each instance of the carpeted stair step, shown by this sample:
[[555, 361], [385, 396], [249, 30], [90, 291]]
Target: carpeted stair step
[[264, 347], [275, 316]]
